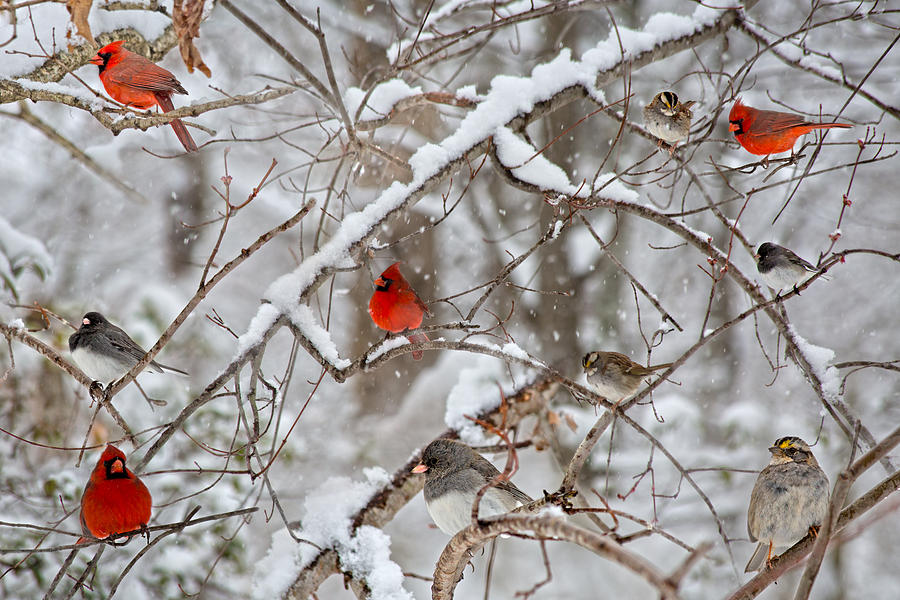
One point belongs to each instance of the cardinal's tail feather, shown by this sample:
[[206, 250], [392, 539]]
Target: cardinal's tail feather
[[165, 103], [183, 136]]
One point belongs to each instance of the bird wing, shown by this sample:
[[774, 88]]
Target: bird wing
[[135, 71], [420, 304], [122, 342], [641, 370], [74, 340], [768, 122], [489, 472], [515, 491], [793, 258]]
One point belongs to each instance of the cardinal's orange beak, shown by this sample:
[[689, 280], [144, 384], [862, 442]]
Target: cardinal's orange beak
[[96, 60], [734, 126], [379, 282], [419, 468]]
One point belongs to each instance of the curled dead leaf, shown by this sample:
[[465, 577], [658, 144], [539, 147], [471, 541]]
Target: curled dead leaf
[[552, 418], [186, 17], [78, 11], [99, 434]]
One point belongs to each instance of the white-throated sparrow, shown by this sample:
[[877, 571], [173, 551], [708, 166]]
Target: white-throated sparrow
[[615, 376], [789, 500], [668, 119], [780, 268]]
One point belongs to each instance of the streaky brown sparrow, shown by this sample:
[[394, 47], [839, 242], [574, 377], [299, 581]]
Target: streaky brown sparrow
[[615, 376]]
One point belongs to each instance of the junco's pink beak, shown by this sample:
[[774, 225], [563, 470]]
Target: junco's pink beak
[[420, 468]]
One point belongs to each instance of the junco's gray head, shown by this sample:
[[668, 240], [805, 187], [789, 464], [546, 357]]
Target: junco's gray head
[[105, 352], [780, 268], [454, 473]]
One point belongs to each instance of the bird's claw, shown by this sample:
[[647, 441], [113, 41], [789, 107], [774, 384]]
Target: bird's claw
[[561, 498], [96, 391]]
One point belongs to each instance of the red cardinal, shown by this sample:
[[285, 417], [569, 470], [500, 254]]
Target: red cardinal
[[396, 307], [114, 500], [133, 80], [767, 132]]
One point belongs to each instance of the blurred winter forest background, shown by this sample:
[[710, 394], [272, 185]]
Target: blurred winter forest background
[[496, 148]]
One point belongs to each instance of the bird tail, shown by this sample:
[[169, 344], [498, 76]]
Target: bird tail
[[659, 367], [829, 125], [165, 103], [162, 368], [183, 136], [756, 560], [417, 338]]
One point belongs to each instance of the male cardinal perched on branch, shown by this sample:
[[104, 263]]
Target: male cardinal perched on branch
[[767, 132], [114, 500], [133, 80], [396, 307]]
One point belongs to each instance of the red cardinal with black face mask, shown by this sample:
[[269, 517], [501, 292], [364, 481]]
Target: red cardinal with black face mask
[[114, 500], [765, 132], [133, 80], [396, 307]]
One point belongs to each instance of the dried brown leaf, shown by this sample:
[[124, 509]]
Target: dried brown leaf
[[78, 11], [186, 17], [552, 418]]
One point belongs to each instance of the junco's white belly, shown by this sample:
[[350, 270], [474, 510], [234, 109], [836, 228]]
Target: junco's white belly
[[452, 511], [97, 367]]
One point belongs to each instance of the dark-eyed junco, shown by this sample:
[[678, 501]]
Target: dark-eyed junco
[[790, 498], [780, 268], [667, 118], [105, 352], [453, 475], [615, 376]]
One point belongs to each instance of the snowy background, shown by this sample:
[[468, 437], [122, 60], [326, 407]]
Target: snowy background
[[452, 184]]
